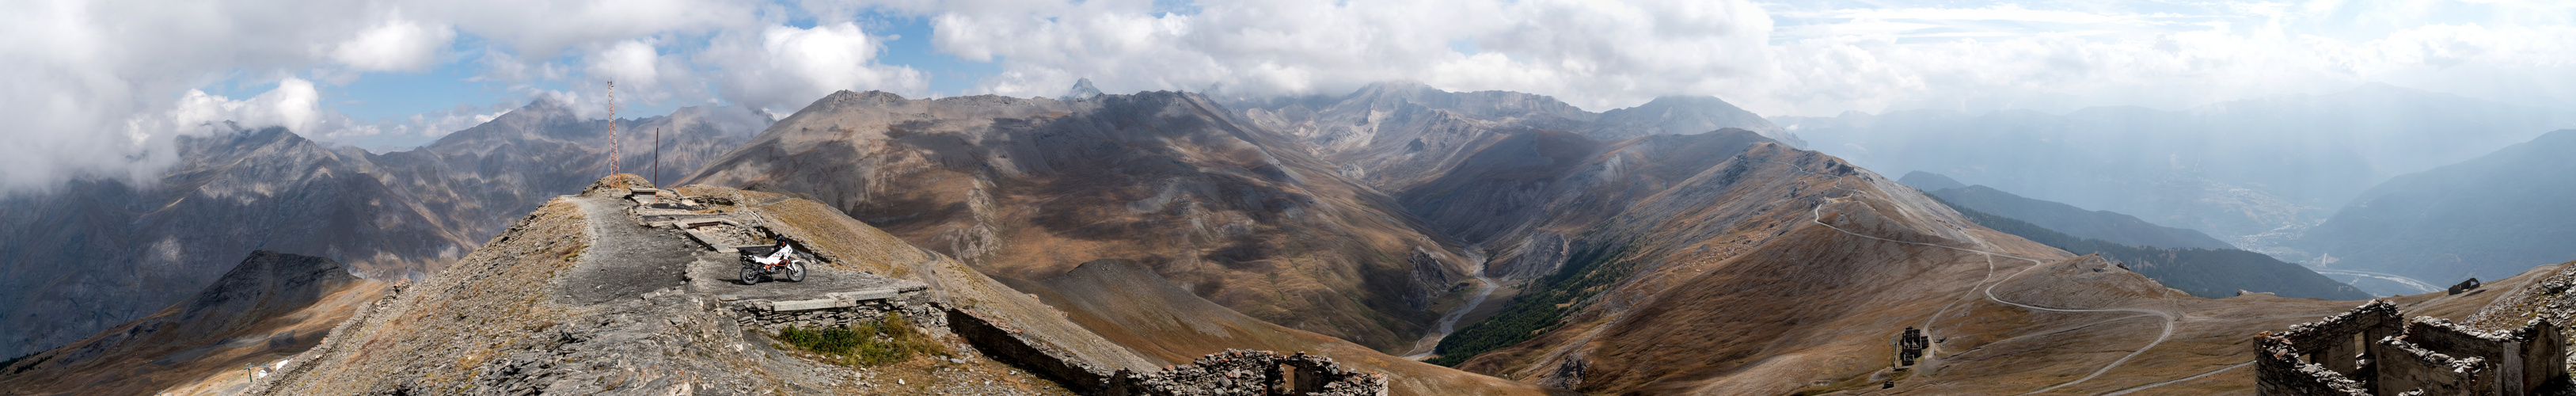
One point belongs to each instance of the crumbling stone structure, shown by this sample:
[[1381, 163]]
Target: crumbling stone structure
[[838, 309], [1233, 372], [1910, 346], [2370, 350], [1248, 372], [2464, 286]]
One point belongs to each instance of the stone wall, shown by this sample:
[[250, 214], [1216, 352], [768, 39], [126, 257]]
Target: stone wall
[[2524, 357], [2289, 377], [1233, 372], [2334, 345], [2413, 368], [1248, 372], [1011, 345], [766, 315], [2364, 351]]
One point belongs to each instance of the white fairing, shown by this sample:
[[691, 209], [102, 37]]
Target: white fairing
[[774, 258]]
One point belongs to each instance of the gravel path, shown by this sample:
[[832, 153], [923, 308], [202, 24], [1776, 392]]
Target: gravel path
[[626, 259]]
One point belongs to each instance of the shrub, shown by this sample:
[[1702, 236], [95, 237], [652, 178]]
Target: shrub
[[865, 343]]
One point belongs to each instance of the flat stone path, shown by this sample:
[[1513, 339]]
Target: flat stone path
[[626, 259]]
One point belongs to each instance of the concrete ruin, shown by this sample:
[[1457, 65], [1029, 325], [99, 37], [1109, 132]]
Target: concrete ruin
[[2372, 350], [1910, 346], [2464, 286]]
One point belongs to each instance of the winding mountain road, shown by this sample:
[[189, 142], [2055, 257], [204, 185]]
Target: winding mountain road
[[1989, 288]]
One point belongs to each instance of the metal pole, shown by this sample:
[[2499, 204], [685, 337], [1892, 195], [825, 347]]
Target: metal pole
[[612, 128], [657, 157]]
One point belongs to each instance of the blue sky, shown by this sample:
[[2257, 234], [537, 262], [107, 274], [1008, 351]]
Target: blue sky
[[113, 81]]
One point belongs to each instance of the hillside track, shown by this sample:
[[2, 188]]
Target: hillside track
[[1988, 288]]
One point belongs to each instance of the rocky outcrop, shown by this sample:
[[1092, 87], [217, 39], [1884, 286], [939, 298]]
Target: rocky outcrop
[[1431, 277], [1245, 372], [1233, 372], [1541, 253]]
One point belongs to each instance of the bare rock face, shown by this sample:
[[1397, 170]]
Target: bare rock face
[[1029, 188]]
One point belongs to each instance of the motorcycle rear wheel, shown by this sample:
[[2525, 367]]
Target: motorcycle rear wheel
[[752, 275]]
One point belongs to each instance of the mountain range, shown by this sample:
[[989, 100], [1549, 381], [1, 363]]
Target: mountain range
[[99, 252], [2178, 258], [1652, 263], [2249, 172], [2098, 224], [2488, 217], [1531, 247]]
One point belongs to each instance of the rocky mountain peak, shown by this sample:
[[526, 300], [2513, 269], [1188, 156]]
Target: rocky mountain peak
[[1082, 89], [269, 280], [1683, 115]]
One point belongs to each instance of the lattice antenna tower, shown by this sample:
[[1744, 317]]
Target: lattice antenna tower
[[612, 128]]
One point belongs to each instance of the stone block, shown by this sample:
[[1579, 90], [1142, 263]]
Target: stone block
[[864, 295], [806, 305]]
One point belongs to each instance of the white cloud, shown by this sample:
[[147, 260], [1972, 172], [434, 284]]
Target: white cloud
[[294, 104], [89, 77], [642, 72], [1593, 54], [395, 44], [1600, 55], [781, 69]]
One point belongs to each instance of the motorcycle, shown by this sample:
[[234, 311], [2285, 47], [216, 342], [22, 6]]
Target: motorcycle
[[775, 262]]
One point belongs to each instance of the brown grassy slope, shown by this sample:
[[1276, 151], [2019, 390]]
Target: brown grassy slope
[[1028, 188], [1129, 304], [1555, 183], [264, 310], [855, 245], [440, 330], [1738, 290], [501, 322]]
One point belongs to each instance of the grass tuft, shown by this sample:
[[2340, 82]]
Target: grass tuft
[[865, 343]]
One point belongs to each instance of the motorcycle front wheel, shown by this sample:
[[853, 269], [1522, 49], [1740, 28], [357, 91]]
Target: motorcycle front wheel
[[796, 271]]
